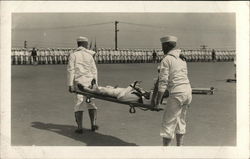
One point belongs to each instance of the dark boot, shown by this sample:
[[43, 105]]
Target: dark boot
[[78, 117], [93, 116], [179, 139], [166, 141]]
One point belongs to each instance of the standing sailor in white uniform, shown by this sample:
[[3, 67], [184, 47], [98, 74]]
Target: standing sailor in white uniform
[[173, 77], [82, 69]]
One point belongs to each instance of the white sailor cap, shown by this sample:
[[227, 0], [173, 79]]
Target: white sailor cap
[[168, 38], [82, 39]]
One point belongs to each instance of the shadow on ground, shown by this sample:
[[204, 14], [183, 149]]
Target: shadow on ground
[[88, 137]]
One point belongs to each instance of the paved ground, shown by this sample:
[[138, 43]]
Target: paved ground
[[42, 109]]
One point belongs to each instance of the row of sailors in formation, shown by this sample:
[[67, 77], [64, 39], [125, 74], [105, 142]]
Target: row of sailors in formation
[[60, 56]]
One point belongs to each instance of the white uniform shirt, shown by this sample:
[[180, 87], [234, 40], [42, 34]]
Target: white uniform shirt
[[42, 53], [26, 53], [81, 67], [17, 53], [21, 53], [173, 73]]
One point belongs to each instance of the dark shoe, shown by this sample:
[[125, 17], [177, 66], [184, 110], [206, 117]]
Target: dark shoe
[[79, 131], [94, 128]]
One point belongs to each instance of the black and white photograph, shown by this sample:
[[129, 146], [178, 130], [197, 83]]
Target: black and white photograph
[[158, 81]]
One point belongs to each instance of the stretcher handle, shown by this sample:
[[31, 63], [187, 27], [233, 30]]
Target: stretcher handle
[[88, 100], [132, 109]]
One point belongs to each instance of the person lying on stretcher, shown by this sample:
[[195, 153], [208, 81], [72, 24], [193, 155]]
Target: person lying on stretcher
[[132, 93]]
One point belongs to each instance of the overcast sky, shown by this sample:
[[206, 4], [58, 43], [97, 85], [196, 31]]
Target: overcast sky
[[136, 30]]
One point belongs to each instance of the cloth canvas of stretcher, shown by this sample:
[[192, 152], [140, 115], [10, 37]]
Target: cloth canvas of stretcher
[[133, 95]]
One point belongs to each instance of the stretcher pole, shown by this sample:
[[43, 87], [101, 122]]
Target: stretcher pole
[[206, 91]]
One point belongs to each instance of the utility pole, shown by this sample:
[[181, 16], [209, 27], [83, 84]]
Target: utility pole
[[116, 30], [25, 44]]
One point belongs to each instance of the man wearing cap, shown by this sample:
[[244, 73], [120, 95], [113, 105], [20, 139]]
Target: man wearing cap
[[213, 55], [34, 55], [82, 69], [173, 78]]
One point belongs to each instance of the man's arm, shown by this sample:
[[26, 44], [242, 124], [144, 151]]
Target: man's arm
[[163, 80], [155, 91], [71, 73], [94, 70]]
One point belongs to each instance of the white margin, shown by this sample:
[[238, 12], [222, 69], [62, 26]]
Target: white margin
[[242, 46]]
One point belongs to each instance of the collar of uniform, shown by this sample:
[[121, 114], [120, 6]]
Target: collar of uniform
[[92, 53], [80, 48], [175, 52]]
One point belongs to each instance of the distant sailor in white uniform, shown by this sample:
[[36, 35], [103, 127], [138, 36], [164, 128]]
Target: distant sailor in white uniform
[[173, 77], [42, 56], [26, 56], [12, 56], [82, 69], [15, 54]]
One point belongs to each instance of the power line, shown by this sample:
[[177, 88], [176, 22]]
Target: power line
[[62, 27], [42, 42], [145, 25], [42, 45], [164, 27]]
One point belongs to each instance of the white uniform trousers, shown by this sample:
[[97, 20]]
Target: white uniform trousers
[[174, 117], [81, 104]]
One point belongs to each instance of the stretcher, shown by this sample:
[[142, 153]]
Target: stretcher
[[206, 91], [133, 105], [89, 94]]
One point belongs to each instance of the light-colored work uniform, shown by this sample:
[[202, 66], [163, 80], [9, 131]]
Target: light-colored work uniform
[[82, 69], [173, 77]]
